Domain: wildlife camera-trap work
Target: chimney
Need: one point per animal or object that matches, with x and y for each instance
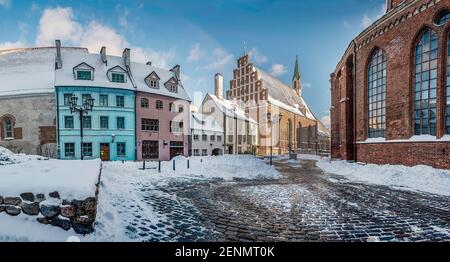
(103, 55)
(149, 63)
(218, 86)
(176, 71)
(58, 59)
(126, 55)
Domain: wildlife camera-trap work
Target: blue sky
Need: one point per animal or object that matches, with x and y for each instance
(204, 37)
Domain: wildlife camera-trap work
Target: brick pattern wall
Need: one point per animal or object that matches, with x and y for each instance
(396, 34)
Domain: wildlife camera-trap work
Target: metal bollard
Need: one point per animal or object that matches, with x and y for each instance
(174, 165)
(143, 165)
(159, 166)
(188, 163)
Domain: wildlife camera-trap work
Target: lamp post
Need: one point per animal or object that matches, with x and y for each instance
(83, 110)
(270, 122)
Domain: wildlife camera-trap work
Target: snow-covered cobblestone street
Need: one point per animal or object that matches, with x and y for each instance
(303, 205)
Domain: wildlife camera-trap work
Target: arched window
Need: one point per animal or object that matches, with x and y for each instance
(299, 135)
(377, 94)
(447, 125)
(425, 84)
(8, 127)
(443, 18)
(289, 134)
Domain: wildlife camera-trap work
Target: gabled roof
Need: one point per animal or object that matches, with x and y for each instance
(284, 96)
(154, 75)
(230, 109)
(117, 67)
(26, 71)
(83, 64)
(205, 122)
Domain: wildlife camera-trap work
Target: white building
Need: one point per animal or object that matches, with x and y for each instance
(207, 138)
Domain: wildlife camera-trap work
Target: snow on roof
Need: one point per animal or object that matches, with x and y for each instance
(29, 70)
(284, 96)
(141, 71)
(230, 109)
(204, 122)
(65, 75)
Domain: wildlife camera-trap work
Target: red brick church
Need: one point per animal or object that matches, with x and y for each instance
(391, 89)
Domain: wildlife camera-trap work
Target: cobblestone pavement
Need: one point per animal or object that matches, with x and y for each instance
(306, 205)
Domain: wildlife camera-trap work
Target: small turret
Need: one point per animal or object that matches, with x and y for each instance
(297, 78)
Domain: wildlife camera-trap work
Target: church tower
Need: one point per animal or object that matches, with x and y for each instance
(297, 79)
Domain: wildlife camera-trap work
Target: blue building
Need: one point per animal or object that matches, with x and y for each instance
(109, 130)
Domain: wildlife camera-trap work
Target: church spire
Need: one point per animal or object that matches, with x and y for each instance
(296, 79)
(296, 70)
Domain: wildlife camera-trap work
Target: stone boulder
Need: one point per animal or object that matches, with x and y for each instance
(13, 201)
(30, 209)
(90, 207)
(43, 220)
(12, 210)
(1, 200)
(54, 195)
(82, 228)
(40, 198)
(27, 196)
(61, 223)
(49, 210)
(2, 208)
(68, 211)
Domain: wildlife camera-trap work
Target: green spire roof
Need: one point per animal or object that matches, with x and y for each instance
(297, 75)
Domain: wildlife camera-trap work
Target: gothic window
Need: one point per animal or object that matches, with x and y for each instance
(443, 18)
(447, 125)
(377, 94)
(425, 84)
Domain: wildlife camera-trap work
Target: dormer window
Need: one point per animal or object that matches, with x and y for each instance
(83, 71)
(117, 75)
(84, 75)
(152, 80)
(172, 85)
(118, 78)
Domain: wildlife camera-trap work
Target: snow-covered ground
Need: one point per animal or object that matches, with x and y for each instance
(23, 173)
(417, 178)
(123, 191)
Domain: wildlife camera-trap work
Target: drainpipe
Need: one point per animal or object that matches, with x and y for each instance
(354, 101)
(58, 148)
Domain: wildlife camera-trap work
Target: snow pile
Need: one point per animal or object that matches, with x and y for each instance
(22, 173)
(7, 157)
(417, 178)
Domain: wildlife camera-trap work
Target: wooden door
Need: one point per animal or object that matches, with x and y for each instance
(105, 152)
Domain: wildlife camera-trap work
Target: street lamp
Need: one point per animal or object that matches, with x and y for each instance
(269, 121)
(83, 110)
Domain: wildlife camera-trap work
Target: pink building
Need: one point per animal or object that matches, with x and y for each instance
(162, 113)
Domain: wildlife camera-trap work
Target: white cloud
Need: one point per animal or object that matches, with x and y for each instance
(59, 23)
(221, 59)
(123, 19)
(306, 85)
(11, 45)
(256, 56)
(5, 3)
(326, 120)
(278, 69)
(367, 20)
(196, 53)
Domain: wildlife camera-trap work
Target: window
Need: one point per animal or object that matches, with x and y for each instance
(447, 125)
(118, 78)
(67, 99)
(150, 125)
(150, 149)
(120, 122)
(204, 138)
(377, 94)
(425, 84)
(69, 149)
(103, 100)
(180, 109)
(196, 152)
(172, 88)
(9, 127)
(176, 127)
(196, 137)
(230, 138)
(171, 107)
(443, 18)
(204, 152)
(87, 149)
(120, 101)
(154, 83)
(84, 98)
(84, 75)
(212, 138)
(104, 122)
(159, 104)
(87, 122)
(144, 102)
(68, 122)
(121, 149)
(219, 138)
